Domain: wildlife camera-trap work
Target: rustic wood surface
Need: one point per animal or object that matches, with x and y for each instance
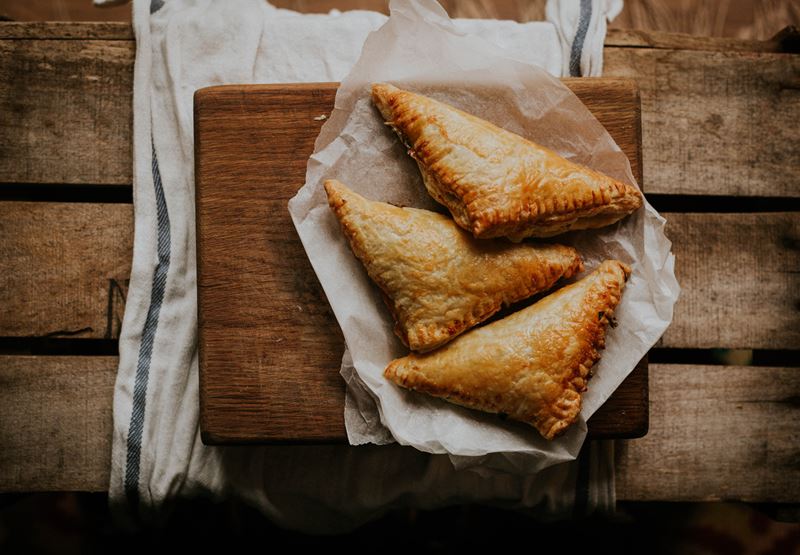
(66, 30)
(268, 353)
(70, 102)
(55, 422)
(636, 38)
(64, 268)
(740, 277)
(69, 123)
(738, 273)
(714, 123)
(716, 432)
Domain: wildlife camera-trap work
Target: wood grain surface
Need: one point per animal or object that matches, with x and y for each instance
(64, 268)
(55, 422)
(270, 348)
(715, 123)
(740, 279)
(69, 103)
(66, 30)
(641, 38)
(717, 433)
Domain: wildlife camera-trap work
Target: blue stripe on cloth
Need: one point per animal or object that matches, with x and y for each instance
(577, 44)
(148, 336)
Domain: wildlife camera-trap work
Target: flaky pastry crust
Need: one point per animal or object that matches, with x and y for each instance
(437, 280)
(494, 182)
(531, 366)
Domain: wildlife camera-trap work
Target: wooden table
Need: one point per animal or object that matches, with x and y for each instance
(721, 161)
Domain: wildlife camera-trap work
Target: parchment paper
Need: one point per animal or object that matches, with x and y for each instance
(419, 49)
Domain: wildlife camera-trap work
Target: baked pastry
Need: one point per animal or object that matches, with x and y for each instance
(494, 182)
(437, 280)
(530, 366)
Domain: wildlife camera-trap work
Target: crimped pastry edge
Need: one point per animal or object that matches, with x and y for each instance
(614, 201)
(551, 424)
(429, 337)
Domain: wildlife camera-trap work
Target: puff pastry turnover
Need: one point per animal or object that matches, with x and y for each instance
(530, 366)
(494, 182)
(437, 280)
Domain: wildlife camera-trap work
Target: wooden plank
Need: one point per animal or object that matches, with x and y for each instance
(716, 123)
(64, 268)
(66, 108)
(716, 433)
(73, 10)
(640, 38)
(740, 278)
(266, 374)
(55, 422)
(66, 30)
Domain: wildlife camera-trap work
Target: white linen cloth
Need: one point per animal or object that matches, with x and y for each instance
(157, 453)
(581, 26)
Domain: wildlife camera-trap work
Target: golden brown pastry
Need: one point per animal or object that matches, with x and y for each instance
(530, 366)
(437, 280)
(496, 183)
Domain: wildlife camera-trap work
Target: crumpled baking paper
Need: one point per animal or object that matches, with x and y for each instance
(419, 49)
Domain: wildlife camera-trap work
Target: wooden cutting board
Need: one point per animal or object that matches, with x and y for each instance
(270, 347)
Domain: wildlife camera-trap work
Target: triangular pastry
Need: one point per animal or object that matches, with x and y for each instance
(530, 366)
(437, 280)
(494, 182)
